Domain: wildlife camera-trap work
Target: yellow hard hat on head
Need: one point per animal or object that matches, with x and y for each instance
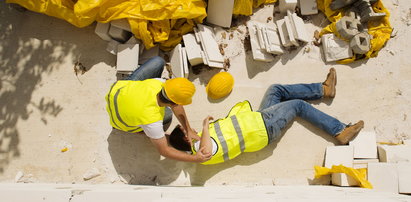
(179, 90)
(220, 85)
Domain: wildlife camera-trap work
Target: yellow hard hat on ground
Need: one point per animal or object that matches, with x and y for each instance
(220, 85)
(179, 90)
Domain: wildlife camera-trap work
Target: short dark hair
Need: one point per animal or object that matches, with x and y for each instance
(163, 97)
(177, 139)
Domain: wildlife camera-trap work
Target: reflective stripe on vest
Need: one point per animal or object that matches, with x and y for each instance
(222, 139)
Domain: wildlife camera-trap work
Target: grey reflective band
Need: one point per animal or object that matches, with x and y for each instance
(222, 141)
(239, 132)
(109, 105)
(118, 114)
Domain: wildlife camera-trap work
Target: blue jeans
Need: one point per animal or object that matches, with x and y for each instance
(152, 68)
(282, 103)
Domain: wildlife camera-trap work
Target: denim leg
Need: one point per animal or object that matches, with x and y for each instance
(277, 93)
(277, 117)
(150, 69)
(168, 117)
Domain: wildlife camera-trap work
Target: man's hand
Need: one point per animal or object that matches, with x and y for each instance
(207, 120)
(190, 135)
(201, 156)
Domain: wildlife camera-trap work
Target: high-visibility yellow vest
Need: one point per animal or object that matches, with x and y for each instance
(241, 131)
(134, 103)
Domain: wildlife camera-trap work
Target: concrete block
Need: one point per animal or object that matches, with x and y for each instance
(209, 44)
(127, 57)
(342, 179)
(366, 11)
(176, 62)
(112, 46)
(365, 145)
(282, 31)
(259, 54)
(193, 49)
(308, 7)
(337, 4)
(363, 163)
(147, 54)
(336, 155)
(360, 43)
(185, 63)
(394, 154)
(298, 27)
(102, 30)
(273, 41)
(292, 32)
(220, 12)
(404, 178)
(285, 5)
(334, 48)
(383, 177)
(122, 24)
(348, 27)
(119, 34)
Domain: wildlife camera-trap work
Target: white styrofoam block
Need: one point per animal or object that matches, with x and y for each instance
(119, 34)
(273, 41)
(365, 145)
(102, 30)
(176, 62)
(127, 57)
(342, 179)
(285, 5)
(308, 7)
(298, 27)
(122, 24)
(394, 153)
(334, 48)
(220, 12)
(209, 44)
(363, 163)
(383, 176)
(404, 178)
(292, 33)
(336, 155)
(185, 64)
(112, 46)
(258, 53)
(282, 31)
(193, 49)
(147, 54)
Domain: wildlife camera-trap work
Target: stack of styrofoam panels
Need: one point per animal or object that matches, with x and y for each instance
(264, 41)
(292, 30)
(365, 149)
(178, 62)
(212, 56)
(340, 155)
(335, 48)
(219, 12)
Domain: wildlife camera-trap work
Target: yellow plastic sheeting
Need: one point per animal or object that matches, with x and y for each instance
(161, 21)
(245, 7)
(358, 174)
(379, 30)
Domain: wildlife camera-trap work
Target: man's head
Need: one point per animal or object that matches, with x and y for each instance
(178, 139)
(178, 91)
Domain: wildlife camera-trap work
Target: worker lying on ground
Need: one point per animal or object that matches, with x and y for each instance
(246, 131)
(142, 102)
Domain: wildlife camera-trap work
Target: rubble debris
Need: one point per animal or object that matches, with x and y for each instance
(79, 68)
(334, 48)
(220, 12)
(126, 178)
(223, 35)
(360, 43)
(118, 34)
(176, 61)
(366, 11)
(102, 31)
(284, 35)
(308, 7)
(193, 49)
(112, 46)
(298, 27)
(269, 19)
(90, 174)
(337, 4)
(127, 57)
(220, 46)
(212, 56)
(348, 27)
(18, 176)
(259, 54)
(285, 5)
(365, 145)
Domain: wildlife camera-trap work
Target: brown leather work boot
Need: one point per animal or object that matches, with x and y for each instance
(350, 132)
(329, 84)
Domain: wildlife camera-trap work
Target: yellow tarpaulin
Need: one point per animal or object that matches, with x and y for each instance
(358, 174)
(379, 30)
(245, 7)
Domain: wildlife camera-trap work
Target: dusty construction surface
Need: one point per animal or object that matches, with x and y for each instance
(44, 106)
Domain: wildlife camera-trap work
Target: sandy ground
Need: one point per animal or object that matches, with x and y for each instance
(45, 107)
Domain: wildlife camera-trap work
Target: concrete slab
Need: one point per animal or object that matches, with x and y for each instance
(394, 153)
(127, 57)
(259, 54)
(404, 178)
(209, 44)
(283, 32)
(299, 28)
(176, 61)
(219, 12)
(339, 155)
(291, 30)
(285, 5)
(334, 48)
(308, 7)
(102, 30)
(383, 177)
(193, 49)
(365, 145)
(274, 44)
(185, 63)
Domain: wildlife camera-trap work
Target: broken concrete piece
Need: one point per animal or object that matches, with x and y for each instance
(337, 4)
(365, 145)
(360, 43)
(185, 64)
(404, 178)
(273, 41)
(394, 153)
(383, 176)
(176, 62)
(18, 176)
(363, 163)
(342, 179)
(334, 48)
(193, 49)
(90, 174)
(102, 30)
(348, 27)
(285, 5)
(284, 35)
(127, 57)
(339, 155)
(292, 32)
(119, 34)
(308, 7)
(298, 27)
(147, 54)
(112, 46)
(209, 44)
(259, 54)
(122, 24)
(220, 12)
(366, 11)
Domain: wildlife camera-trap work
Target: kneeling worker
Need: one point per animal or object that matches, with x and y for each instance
(246, 131)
